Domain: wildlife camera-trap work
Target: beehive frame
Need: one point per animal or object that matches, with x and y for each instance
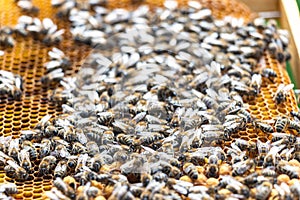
(28, 56)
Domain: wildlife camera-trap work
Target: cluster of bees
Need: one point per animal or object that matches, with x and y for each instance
(11, 84)
(149, 114)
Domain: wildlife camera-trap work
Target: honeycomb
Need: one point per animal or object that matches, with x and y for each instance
(28, 56)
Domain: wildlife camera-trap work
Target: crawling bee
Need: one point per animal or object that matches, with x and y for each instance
(212, 168)
(28, 146)
(287, 169)
(281, 124)
(263, 149)
(64, 188)
(27, 6)
(13, 149)
(242, 167)
(78, 148)
(268, 73)
(60, 169)
(92, 148)
(264, 127)
(263, 191)
(294, 125)
(256, 83)
(45, 148)
(44, 122)
(282, 92)
(15, 171)
(53, 76)
(296, 114)
(69, 180)
(47, 165)
(145, 179)
(190, 170)
(9, 188)
(24, 160)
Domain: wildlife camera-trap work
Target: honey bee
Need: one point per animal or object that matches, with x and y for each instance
(69, 180)
(13, 149)
(105, 118)
(64, 188)
(264, 127)
(149, 137)
(281, 124)
(256, 83)
(61, 169)
(44, 122)
(53, 76)
(268, 73)
(212, 168)
(270, 158)
(295, 114)
(9, 188)
(263, 191)
(145, 179)
(24, 160)
(287, 169)
(72, 162)
(15, 171)
(283, 136)
(78, 148)
(190, 170)
(45, 148)
(92, 148)
(61, 151)
(242, 167)
(294, 125)
(28, 146)
(282, 92)
(47, 165)
(263, 149)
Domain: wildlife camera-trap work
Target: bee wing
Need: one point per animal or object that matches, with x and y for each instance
(23, 155)
(288, 87)
(13, 164)
(45, 119)
(280, 87)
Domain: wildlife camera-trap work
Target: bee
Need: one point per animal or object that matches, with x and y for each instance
(287, 169)
(283, 136)
(263, 191)
(53, 76)
(264, 127)
(4, 142)
(149, 137)
(47, 165)
(281, 124)
(45, 148)
(269, 172)
(9, 188)
(92, 148)
(190, 170)
(69, 180)
(15, 171)
(64, 188)
(96, 162)
(78, 148)
(295, 114)
(212, 168)
(27, 5)
(242, 167)
(270, 158)
(294, 125)
(295, 189)
(28, 146)
(13, 149)
(61, 169)
(256, 83)
(145, 179)
(282, 92)
(72, 162)
(251, 179)
(61, 151)
(263, 149)
(24, 160)
(268, 73)
(44, 122)
(105, 118)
